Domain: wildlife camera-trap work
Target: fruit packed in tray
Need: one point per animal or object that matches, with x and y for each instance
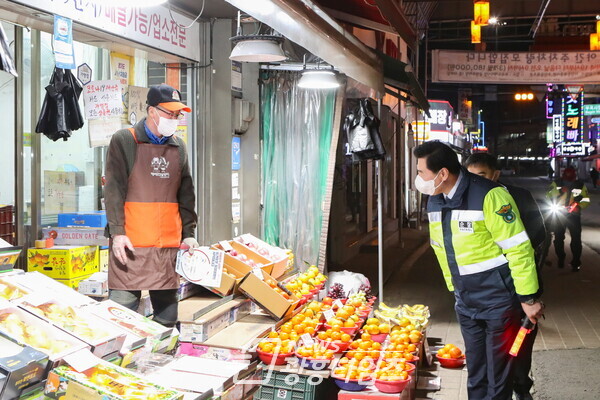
(67, 318)
(108, 380)
(10, 291)
(32, 335)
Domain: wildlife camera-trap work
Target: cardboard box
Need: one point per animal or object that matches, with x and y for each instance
(36, 282)
(76, 236)
(233, 343)
(20, 368)
(278, 256)
(199, 324)
(34, 392)
(73, 283)
(65, 382)
(95, 285)
(128, 320)
(11, 290)
(266, 297)
(40, 334)
(89, 220)
(101, 336)
(240, 265)
(8, 255)
(66, 262)
(103, 259)
(187, 289)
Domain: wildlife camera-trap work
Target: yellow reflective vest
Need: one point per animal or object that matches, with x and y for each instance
(573, 196)
(482, 247)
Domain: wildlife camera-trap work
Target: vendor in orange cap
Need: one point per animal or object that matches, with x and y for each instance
(150, 206)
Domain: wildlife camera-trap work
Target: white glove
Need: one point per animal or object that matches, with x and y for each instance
(120, 244)
(191, 244)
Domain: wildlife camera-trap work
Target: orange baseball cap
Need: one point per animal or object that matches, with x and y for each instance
(167, 97)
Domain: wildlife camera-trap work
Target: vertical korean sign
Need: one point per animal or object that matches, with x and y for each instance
(573, 118)
(63, 43)
(103, 109)
(557, 128)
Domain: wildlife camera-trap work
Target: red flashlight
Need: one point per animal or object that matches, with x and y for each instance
(526, 327)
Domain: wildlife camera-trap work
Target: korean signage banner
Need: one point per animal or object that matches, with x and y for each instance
(573, 118)
(441, 116)
(572, 149)
(150, 26)
(516, 67)
(557, 128)
(464, 106)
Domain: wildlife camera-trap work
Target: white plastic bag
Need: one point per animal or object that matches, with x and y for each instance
(351, 281)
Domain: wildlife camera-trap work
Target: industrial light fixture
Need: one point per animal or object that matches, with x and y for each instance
(256, 48)
(319, 78)
(481, 11)
(475, 33)
(493, 20)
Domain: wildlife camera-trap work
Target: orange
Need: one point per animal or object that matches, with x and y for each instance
(286, 328)
(384, 328)
(322, 335)
(336, 335)
(273, 334)
(345, 338)
(354, 344)
(364, 345)
(373, 329)
(267, 347)
(376, 346)
(455, 352)
(411, 347)
(310, 330)
(336, 328)
(284, 335)
(349, 323)
(365, 336)
(351, 354)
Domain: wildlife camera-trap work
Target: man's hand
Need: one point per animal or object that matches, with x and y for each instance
(534, 311)
(190, 244)
(120, 245)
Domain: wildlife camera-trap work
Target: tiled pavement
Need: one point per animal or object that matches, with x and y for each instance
(572, 314)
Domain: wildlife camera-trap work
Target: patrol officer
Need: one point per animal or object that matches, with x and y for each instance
(569, 196)
(485, 165)
(487, 261)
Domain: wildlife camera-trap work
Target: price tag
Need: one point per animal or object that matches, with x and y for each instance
(258, 272)
(225, 245)
(307, 339)
(328, 314)
(82, 360)
(338, 304)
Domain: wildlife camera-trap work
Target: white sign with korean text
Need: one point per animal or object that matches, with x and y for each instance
(151, 26)
(102, 99)
(100, 131)
(516, 67)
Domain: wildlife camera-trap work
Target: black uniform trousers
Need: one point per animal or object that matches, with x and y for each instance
(571, 221)
(487, 343)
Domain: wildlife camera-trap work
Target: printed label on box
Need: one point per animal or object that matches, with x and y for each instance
(202, 266)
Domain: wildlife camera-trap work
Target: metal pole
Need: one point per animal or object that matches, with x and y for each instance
(379, 218)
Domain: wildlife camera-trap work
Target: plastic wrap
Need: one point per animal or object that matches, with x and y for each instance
(297, 128)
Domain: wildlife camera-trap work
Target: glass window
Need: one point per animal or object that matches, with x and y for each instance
(7, 150)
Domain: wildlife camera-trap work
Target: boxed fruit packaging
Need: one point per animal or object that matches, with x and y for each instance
(101, 336)
(21, 367)
(25, 328)
(104, 382)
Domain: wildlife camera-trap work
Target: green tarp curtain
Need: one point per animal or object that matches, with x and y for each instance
(296, 130)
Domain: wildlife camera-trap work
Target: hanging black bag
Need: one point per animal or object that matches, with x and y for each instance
(362, 131)
(60, 111)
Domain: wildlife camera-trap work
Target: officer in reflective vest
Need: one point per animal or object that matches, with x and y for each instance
(568, 196)
(487, 261)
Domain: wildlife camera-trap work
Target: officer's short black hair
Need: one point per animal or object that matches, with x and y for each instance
(487, 159)
(438, 155)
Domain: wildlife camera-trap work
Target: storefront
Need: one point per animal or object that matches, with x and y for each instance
(136, 47)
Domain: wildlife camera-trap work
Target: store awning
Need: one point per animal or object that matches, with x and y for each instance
(304, 23)
(395, 74)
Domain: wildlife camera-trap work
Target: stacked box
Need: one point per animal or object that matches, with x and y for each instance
(67, 264)
(21, 367)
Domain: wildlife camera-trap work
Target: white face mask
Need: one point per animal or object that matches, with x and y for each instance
(427, 187)
(166, 127)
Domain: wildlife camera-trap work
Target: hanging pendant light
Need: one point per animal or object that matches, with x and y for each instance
(594, 45)
(475, 33)
(481, 11)
(319, 78)
(256, 48)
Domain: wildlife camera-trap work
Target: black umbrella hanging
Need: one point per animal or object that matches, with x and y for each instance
(60, 111)
(6, 61)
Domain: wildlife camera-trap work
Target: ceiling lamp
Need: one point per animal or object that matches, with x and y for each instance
(475, 33)
(256, 48)
(594, 45)
(318, 79)
(481, 11)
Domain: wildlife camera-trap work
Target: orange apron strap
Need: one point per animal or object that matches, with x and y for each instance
(133, 134)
